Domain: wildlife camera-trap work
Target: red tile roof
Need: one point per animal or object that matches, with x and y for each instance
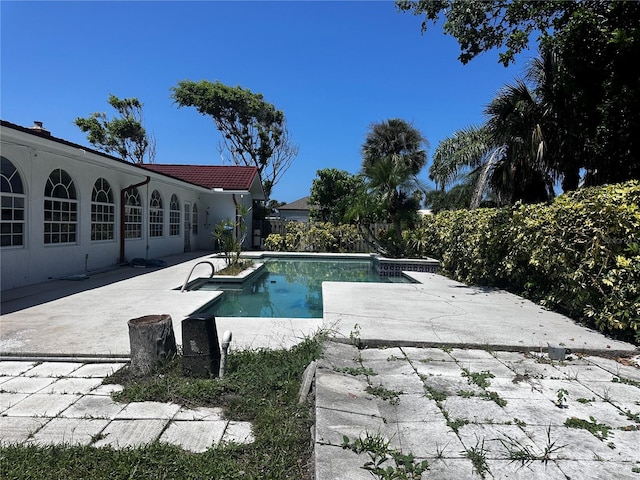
(226, 177)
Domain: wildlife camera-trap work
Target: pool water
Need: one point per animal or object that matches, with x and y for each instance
(288, 288)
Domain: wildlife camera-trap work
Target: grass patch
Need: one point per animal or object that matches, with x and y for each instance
(260, 386)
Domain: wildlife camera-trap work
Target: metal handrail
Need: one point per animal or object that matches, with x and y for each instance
(186, 281)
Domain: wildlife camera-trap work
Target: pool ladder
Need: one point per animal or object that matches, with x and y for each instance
(186, 280)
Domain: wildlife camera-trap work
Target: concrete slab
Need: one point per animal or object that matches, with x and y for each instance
(93, 406)
(429, 439)
(332, 425)
(535, 412)
(42, 405)
(440, 311)
(148, 410)
(13, 369)
(425, 355)
(506, 469)
(69, 431)
(131, 433)
(343, 392)
(53, 369)
(8, 400)
(72, 385)
(26, 384)
(336, 463)
(448, 468)
(96, 370)
(200, 413)
(476, 410)
(597, 470)
(51, 318)
(194, 436)
(17, 430)
(107, 389)
(238, 432)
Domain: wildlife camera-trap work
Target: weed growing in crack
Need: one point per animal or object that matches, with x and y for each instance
(392, 396)
(598, 430)
(466, 393)
(626, 381)
(435, 394)
(478, 456)
(404, 467)
(479, 378)
(526, 454)
(355, 371)
(495, 397)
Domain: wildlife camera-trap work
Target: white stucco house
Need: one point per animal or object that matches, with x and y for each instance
(68, 209)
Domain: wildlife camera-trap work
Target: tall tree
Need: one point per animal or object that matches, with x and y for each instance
(253, 131)
(393, 154)
(124, 135)
(332, 192)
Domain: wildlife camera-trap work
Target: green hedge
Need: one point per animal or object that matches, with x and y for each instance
(580, 255)
(314, 237)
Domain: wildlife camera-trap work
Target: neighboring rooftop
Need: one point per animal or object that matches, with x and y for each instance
(301, 204)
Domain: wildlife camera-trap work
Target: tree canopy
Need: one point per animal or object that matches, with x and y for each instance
(574, 118)
(332, 192)
(254, 131)
(124, 136)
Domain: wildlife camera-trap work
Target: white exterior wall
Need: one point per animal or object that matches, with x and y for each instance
(36, 157)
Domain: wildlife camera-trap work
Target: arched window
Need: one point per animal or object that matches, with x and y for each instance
(132, 214)
(13, 200)
(194, 221)
(102, 211)
(156, 215)
(174, 216)
(60, 209)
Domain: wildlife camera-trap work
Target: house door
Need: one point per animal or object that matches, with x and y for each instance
(187, 227)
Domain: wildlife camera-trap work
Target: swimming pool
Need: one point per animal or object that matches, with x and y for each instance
(288, 288)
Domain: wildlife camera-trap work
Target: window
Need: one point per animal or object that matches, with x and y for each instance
(12, 199)
(132, 214)
(194, 221)
(156, 215)
(60, 209)
(102, 211)
(174, 216)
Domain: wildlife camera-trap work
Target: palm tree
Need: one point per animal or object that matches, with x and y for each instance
(508, 152)
(515, 121)
(393, 154)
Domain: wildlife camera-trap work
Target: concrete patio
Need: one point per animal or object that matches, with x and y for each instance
(414, 380)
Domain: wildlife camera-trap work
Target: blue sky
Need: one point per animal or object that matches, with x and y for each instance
(333, 68)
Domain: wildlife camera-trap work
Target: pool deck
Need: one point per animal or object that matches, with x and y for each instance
(415, 337)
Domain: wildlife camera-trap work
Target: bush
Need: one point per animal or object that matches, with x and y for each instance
(579, 255)
(314, 237)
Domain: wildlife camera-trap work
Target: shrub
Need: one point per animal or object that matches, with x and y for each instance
(314, 237)
(579, 255)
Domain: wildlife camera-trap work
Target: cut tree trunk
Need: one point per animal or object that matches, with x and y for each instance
(152, 342)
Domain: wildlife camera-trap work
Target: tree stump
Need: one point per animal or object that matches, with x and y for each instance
(152, 341)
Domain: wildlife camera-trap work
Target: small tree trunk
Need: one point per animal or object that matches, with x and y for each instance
(152, 341)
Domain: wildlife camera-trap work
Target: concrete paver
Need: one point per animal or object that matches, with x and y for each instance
(78, 410)
(462, 421)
